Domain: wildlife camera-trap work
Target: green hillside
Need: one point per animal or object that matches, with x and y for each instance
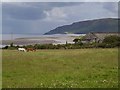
(98, 25)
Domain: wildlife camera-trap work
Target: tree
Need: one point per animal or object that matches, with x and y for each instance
(11, 45)
(76, 40)
(111, 39)
(66, 43)
(6, 47)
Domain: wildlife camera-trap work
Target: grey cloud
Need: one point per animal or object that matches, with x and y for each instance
(119, 9)
(16, 26)
(25, 13)
(111, 6)
(30, 10)
(28, 17)
(50, 5)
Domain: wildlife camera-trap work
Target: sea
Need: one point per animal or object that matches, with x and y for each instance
(16, 36)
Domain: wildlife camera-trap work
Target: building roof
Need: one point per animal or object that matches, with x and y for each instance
(99, 35)
(89, 36)
(102, 35)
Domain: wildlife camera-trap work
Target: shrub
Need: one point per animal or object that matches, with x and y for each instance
(11, 45)
(101, 45)
(111, 39)
(6, 47)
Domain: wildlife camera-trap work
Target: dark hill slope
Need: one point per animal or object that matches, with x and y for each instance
(98, 25)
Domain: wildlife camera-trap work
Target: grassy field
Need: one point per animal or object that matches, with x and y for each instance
(80, 68)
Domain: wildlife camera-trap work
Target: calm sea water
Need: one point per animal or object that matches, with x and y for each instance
(14, 36)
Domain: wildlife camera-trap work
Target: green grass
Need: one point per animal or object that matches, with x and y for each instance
(77, 68)
(0, 69)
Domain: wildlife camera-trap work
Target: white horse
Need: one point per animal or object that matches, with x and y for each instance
(22, 49)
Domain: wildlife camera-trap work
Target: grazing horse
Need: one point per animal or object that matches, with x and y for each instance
(22, 49)
(30, 49)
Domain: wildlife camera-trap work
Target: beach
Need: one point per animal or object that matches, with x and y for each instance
(40, 39)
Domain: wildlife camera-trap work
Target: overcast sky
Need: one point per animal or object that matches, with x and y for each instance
(41, 17)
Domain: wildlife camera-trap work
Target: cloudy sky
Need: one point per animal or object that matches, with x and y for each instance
(41, 17)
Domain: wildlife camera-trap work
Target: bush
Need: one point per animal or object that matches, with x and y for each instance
(101, 45)
(76, 40)
(6, 47)
(111, 39)
(11, 45)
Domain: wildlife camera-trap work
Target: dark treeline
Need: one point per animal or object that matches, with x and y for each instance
(108, 42)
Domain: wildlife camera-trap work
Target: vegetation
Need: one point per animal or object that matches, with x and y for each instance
(112, 41)
(72, 68)
(108, 42)
(11, 45)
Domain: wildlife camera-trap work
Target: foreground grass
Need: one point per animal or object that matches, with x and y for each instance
(83, 68)
(0, 69)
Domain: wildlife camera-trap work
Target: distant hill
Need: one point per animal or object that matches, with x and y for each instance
(98, 25)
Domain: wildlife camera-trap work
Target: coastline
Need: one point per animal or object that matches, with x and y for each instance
(43, 39)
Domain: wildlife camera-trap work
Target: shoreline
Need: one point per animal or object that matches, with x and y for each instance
(51, 39)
